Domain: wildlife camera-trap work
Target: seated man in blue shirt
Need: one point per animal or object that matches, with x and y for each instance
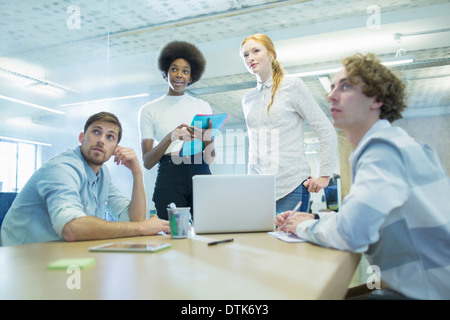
(397, 209)
(67, 198)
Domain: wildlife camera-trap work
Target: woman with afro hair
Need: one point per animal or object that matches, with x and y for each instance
(164, 126)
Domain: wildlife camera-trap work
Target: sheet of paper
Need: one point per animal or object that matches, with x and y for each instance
(287, 237)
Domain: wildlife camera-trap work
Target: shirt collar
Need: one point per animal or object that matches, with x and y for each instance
(377, 126)
(262, 85)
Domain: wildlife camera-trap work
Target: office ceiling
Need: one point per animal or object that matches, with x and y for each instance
(107, 48)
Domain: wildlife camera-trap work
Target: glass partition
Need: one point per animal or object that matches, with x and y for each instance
(61, 61)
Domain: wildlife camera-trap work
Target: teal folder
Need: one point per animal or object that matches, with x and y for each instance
(201, 121)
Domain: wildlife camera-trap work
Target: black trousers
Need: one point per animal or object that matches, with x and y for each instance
(174, 181)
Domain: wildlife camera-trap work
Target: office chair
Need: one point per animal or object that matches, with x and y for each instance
(6, 200)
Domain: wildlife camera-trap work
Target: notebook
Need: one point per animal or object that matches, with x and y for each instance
(233, 203)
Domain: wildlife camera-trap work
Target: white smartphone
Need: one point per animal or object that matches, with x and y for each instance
(130, 247)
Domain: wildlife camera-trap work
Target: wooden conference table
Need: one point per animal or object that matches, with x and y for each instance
(253, 266)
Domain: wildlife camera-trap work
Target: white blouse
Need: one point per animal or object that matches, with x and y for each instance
(276, 139)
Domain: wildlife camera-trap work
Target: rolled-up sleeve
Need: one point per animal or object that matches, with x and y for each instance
(118, 204)
(60, 190)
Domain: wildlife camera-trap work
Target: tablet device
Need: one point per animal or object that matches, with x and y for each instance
(130, 247)
(201, 121)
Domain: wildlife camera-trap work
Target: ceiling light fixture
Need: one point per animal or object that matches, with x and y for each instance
(105, 100)
(398, 40)
(31, 104)
(35, 82)
(331, 70)
(25, 141)
(325, 82)
(398, 62)
(315, 72)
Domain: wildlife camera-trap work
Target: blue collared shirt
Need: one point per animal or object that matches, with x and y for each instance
(63, 189)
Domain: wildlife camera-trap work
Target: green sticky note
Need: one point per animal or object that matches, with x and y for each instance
(66, 263)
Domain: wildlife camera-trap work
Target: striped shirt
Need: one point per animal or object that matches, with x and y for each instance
(397, 212)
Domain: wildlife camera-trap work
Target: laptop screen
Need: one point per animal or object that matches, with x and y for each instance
(233, 203)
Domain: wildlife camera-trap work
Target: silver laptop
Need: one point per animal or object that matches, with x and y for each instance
(233, 203)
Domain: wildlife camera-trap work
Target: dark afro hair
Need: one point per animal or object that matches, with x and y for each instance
(181, 49)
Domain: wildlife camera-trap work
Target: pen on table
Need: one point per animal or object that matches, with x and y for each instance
(213, 243)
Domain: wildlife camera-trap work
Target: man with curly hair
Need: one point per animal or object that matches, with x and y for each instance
(397, 209)
(164, 126)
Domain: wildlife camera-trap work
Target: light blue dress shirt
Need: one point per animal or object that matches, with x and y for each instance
(63, 189)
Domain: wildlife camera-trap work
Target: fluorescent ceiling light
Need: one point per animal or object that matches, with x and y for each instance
(31, 104)
(34, 82)
(315, 72)
(398, 61)
(25, 141)
(105, 100)
(47, 88)
(331, 70)
(325, 82)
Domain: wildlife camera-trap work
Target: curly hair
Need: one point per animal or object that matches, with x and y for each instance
(185, 50)
(377, 81)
